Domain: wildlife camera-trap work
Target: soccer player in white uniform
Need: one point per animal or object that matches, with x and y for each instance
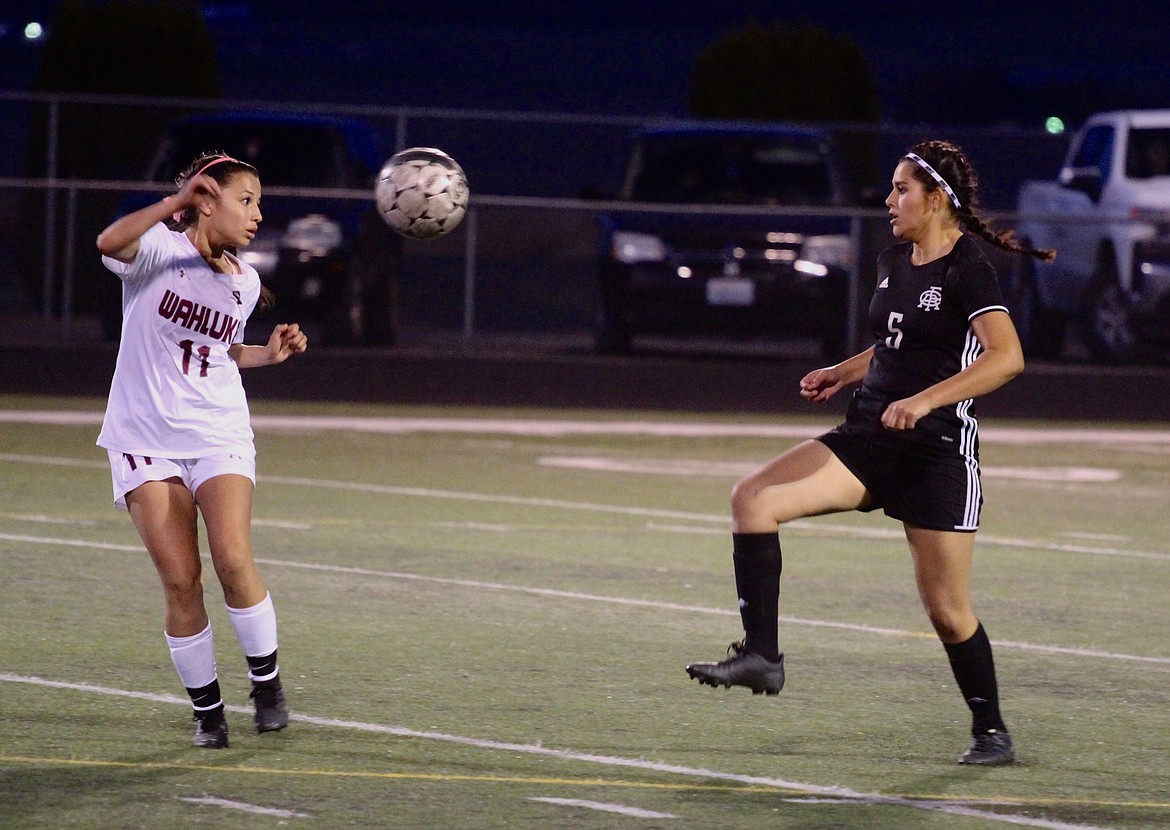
(177, 424)
(942, 337)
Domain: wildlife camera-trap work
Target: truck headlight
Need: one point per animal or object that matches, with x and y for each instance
(630, 247)
(262, 254)
(829, 250)
(314, 234)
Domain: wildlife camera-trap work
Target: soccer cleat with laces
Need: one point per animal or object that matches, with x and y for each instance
(211, 730)
(992, 748)
(271, 707)
(743, 668)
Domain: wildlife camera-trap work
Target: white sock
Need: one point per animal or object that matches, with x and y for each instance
(194, 658)
(255, 628)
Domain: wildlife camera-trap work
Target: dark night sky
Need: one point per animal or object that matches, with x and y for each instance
(632, 58)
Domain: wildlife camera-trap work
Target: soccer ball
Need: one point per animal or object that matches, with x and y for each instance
(422, 193)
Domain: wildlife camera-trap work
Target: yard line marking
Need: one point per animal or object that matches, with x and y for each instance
(49, 520)
(281, 525)
(615, 783)
(739, 469)
(70, 543)
(656, 513)
(590, 758)
(818, 526)
(611, 600)
(559, 428)
(490, 498)
(637, 812)
(247, 808)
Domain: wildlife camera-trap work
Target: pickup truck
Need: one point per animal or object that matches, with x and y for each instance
(1111, 196)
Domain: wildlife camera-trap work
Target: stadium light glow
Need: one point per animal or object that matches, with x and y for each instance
(1054, 125)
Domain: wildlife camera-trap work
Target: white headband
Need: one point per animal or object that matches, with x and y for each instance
(917, 159)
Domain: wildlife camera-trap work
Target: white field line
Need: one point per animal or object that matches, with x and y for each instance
(560, 428)
(818, 527)
(247, 808)
(585, 757)
(738, 469)
(636, 812)
(681, 515)
(599, 598)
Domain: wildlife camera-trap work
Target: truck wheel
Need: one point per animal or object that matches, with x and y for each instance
(1041, 329)
(343, 323)
(1107, 322)
(611, 336)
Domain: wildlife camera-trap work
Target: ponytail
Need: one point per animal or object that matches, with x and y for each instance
(941, 163)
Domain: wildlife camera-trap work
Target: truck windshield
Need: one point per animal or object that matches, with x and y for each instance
(1148, 154)
(722, 169)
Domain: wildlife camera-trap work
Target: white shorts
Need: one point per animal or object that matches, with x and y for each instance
(131, 471)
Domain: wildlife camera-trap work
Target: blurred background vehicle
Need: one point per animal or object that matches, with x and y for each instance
(332, 262)
(752, 275)
(1109, 197)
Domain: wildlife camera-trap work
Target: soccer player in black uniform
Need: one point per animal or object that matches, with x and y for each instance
(909, 444)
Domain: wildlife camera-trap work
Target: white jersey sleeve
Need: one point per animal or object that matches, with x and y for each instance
(176, 393)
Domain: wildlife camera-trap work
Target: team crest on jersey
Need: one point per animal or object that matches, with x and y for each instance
(931, 298)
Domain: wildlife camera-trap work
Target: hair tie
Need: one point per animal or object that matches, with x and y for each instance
(921, 162)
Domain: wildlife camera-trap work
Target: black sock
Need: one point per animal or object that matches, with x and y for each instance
(974, 669)
(263, 670)
(757, 582)
(206, 699)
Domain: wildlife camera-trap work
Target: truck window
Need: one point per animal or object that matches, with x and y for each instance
(736, 169)
(1096, 150)
(1148, 153)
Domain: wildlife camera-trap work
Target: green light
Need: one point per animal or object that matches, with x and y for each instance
(1054, 125)
(33, 31)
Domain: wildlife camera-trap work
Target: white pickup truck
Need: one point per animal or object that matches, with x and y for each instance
(1112, 194)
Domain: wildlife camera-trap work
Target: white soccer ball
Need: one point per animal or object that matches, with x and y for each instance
(422, 193)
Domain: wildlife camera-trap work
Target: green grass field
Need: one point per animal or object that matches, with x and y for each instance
(484, 620)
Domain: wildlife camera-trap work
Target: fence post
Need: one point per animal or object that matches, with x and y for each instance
(67, 274)
(469, 279)
(400, 133)
(50, 210)
(852, 334)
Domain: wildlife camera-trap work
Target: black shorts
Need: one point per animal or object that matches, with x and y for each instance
(921, 476)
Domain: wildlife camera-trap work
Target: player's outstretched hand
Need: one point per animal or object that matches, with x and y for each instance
(286, 340)
(821, 384)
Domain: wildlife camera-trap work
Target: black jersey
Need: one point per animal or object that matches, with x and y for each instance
(921, 317)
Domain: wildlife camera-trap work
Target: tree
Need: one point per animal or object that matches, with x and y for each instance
(130, 47)
(783, 73)
(789, 73)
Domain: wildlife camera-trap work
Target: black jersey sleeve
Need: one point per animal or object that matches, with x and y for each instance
(975, 283)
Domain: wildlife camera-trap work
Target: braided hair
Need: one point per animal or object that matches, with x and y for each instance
(223, 168)
(953, 167)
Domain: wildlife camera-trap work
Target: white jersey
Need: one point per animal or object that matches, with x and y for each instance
(176, 393)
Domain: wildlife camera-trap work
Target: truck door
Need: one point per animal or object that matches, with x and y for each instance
(1084, 179)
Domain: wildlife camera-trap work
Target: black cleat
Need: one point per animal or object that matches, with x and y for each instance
(211, 730)
(743, 668)
(992, 748)
(271, 708)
